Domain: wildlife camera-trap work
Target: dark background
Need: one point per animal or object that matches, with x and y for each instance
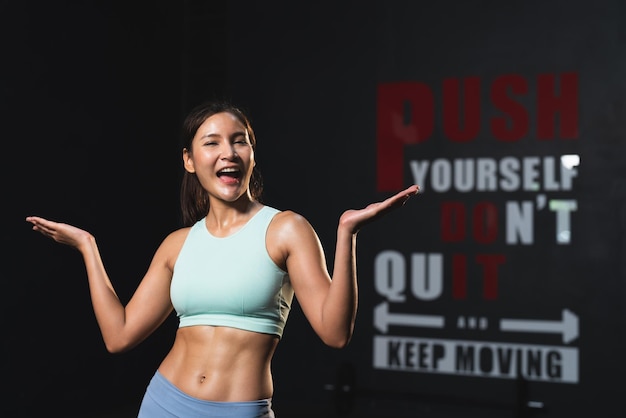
(92, 97)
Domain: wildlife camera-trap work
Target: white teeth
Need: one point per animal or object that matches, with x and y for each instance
(228, 170)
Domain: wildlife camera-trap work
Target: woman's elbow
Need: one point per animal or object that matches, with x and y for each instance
(337, 341)
(117, 346)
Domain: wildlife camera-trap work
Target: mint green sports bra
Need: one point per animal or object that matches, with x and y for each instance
(231, 281)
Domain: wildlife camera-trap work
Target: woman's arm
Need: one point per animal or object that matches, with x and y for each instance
(330, 304)
(122, 327)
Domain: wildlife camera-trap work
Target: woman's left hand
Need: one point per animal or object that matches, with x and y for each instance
(355, 219)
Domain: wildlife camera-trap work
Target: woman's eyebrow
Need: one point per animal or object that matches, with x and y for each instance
(209, 135)
(213, 135)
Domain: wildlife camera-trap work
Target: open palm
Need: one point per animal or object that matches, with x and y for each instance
(355, 219)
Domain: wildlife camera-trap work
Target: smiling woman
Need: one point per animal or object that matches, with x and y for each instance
(230, 274)
(194, 199)
(219, 158)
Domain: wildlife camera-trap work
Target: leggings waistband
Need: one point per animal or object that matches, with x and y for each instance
(164, 400)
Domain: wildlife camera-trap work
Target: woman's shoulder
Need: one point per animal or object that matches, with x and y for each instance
(178, 233)
(176, 238)
(171, 245)
(289, 220)
(285, 214)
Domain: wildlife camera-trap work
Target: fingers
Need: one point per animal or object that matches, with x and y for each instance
(401, 197)
(410, 191)
(36, 221)
(381, 208)
(41, 225)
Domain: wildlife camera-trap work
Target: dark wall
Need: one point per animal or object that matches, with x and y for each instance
(91, 104)
(345, 93)
(93, 94)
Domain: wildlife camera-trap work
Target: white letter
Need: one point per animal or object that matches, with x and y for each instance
(519, 223)
(389, 271)
(440, 175)
(427, 288)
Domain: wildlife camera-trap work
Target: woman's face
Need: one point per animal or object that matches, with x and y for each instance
(221, 155)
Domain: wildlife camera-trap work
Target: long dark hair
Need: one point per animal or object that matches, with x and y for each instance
(194, 200)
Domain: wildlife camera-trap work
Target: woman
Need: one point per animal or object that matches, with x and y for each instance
(230, 274)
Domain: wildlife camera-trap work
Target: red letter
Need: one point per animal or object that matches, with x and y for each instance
(459, 276)
(405, 115)
(490, 273)
(452, 120)
(452, 221)
(485, 219)
(566, 104)
(518, 117)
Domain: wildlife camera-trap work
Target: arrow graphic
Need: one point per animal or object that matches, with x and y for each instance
(568, 326)
(383, 318)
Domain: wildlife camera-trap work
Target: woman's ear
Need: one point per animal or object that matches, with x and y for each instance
(188, 162)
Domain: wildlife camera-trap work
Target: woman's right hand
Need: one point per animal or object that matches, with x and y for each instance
(61, 232)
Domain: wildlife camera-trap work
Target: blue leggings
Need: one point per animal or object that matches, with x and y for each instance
(164, 400)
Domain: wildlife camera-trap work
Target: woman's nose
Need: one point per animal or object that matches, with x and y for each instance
(228, 151)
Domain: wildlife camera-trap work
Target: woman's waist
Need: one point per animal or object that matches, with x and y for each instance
(221, 364)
